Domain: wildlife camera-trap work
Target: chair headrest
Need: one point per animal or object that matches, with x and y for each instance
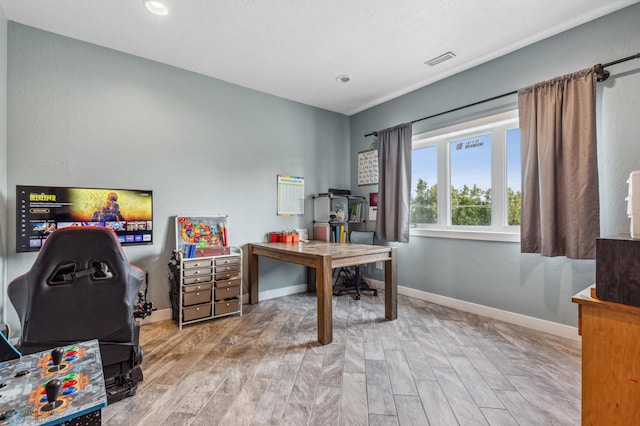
(361, 237)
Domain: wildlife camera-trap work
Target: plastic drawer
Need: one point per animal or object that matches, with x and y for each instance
(197, 287)
(227, 283)
(197, 264)
(196, 297)
(227, 275)
(198, 279)
(197, 271)
(196, 312)
(226, 307)
(227, 268)
(231, 260)
(226, 292)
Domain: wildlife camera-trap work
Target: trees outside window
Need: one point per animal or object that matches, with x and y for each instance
(479, 163)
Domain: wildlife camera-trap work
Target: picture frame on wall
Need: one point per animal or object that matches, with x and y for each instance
(368, 167)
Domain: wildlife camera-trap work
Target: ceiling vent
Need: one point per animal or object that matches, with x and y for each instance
(445, 57)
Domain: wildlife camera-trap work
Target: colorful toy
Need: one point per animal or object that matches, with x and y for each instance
(200, 234)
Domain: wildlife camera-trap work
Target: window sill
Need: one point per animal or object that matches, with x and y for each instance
(511, 237)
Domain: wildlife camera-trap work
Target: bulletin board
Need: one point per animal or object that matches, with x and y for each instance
(368, 167)
(290, 195)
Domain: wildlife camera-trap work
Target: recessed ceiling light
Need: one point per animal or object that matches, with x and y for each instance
(343, 78)
(440, 59)
(156, 7)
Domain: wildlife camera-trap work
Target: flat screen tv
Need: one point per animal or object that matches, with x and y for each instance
(42, 209)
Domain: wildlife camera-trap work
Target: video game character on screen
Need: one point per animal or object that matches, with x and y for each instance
(110, 211)
(44, 228)
(41, 209)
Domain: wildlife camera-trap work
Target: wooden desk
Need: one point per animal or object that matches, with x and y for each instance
(323, 257)
(610, 366)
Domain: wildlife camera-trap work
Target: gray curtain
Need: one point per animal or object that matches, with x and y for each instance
(394, 183)
(560, 199)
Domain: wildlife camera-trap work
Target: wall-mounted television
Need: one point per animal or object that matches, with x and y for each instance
(42, 209)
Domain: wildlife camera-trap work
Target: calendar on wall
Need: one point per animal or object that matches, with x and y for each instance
(290, 195)
(368, 167)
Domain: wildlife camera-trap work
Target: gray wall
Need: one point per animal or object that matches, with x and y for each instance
(496, 274)
(82, 115)
(3, 158)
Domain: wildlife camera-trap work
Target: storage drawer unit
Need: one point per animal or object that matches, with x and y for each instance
(208, 287)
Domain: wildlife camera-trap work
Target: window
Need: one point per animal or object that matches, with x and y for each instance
(513, 177)
(424, 166)
(470, 183)
(478, 163)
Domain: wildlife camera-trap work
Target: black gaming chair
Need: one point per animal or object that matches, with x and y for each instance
(81, 287)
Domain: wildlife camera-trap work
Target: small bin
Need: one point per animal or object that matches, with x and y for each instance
(231, 260)
(199, 271)
(196, 312)
(197, 264)
(223, 276)
(226, 292)
(226, 307)
(196, 297)
(197, 287)
(197, 279)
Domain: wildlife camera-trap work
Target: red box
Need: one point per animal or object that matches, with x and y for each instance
(212, 251)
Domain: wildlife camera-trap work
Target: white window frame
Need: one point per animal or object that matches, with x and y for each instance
(499, 230)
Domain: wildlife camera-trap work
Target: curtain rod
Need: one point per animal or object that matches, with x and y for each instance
(599, 69)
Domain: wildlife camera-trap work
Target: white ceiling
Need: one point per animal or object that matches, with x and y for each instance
(295, 48)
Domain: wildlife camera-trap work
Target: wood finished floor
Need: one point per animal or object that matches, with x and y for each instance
(432, 366)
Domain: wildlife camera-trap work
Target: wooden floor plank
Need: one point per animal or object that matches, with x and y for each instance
(433, 365)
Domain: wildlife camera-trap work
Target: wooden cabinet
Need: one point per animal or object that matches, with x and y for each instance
(208, 287)
(610, 360)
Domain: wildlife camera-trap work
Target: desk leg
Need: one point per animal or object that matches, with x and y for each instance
(324, 293)
(311, 280)
(254, 272)
(391, 286)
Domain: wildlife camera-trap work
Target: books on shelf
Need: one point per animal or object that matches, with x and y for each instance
(340, 211)
(333, 233)
(321, 232)
(189, 250)
(355, 212)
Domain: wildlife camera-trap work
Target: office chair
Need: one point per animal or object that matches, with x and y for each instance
(81, 287)
(350, 279)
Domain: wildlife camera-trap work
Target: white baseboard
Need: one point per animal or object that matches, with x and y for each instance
(156, 316)
(165, 314)
(545, 326)
(281, 292)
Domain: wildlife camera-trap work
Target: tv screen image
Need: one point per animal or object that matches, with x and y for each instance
(42, 209)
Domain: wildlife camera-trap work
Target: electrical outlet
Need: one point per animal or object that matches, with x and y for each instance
(379, 266)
